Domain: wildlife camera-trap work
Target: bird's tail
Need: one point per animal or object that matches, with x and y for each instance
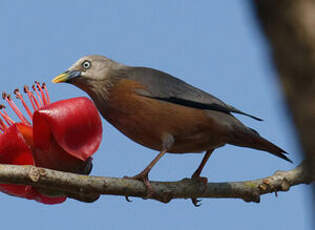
(251, 138)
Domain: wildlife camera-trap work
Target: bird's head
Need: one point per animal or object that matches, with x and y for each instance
(88, 72)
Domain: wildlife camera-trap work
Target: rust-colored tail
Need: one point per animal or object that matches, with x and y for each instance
(250, 138)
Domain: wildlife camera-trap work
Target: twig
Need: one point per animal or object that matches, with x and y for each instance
(89, 188)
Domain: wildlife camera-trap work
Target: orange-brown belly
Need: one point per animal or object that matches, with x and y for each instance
(147, 120)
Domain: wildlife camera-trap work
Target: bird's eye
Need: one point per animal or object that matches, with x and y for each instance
(86, 64)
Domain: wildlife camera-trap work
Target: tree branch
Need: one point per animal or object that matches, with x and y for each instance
(89, 188)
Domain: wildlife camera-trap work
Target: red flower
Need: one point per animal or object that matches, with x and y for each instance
(63, 137)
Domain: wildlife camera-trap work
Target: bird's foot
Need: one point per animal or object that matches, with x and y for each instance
(203, 181)
(196, 177)
(143, 176)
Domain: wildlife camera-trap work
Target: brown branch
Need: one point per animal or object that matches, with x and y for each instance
(89, 188)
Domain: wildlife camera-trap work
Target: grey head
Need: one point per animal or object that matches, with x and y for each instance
(90, 73)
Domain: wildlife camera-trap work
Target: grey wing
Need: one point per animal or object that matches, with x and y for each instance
(162, 86)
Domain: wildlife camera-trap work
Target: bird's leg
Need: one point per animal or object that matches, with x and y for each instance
(196, 175)
(167, 142)
(143, 176)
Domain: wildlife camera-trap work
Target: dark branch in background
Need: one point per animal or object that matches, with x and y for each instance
(289, 26)
(89, 188)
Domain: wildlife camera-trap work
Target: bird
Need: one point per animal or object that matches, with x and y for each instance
(162, 112)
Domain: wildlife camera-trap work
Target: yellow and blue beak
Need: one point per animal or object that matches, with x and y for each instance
(67, 76)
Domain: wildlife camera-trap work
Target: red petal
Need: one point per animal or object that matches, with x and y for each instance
(73, 126)
(46, 199)
(15, 150)
(28, 192)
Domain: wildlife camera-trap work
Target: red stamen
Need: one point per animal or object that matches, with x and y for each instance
(3, 126)
(37, 99)
(41, 92)
(19, 96)
(32, 98)
(40, 102)
(46, 92)
(5, 116)
(15, 108)
(10, 121)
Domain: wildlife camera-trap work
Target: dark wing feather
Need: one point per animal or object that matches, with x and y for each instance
(162, 86)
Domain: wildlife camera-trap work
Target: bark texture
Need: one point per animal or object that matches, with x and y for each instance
(89, 188)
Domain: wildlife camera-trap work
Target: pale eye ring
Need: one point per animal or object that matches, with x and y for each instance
(86, 64)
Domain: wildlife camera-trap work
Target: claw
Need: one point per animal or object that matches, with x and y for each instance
(203, 181)
(143, 177)
(127, 198)
(196, 202)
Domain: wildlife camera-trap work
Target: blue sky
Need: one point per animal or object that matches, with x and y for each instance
(214, 45)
